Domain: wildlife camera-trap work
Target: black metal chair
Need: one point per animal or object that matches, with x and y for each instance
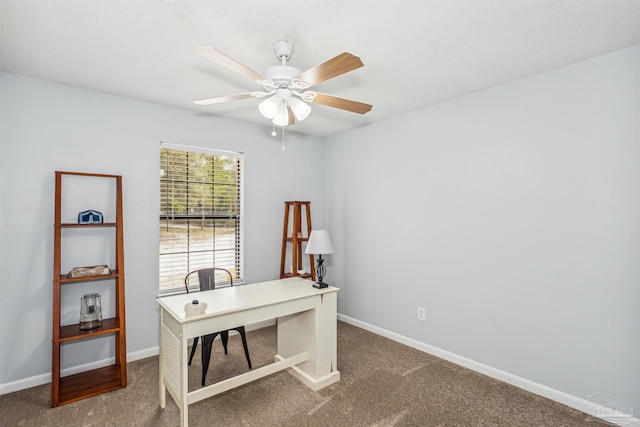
(207, 281)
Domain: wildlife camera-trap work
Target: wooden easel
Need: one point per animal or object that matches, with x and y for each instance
(296, 239)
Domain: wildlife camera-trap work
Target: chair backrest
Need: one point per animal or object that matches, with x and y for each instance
(207, 278)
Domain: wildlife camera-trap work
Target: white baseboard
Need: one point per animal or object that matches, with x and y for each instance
(571, 401)
(37, 380)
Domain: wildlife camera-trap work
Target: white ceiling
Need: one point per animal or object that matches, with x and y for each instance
(416, 53)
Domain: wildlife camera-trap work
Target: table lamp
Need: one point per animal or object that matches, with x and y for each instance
(319, 244)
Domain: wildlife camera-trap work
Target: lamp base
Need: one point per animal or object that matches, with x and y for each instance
(320, 285)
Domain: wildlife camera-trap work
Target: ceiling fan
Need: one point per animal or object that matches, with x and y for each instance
(286, 87)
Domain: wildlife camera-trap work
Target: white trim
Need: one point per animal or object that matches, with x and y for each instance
(203, 150)
(569, 400)
(25, 383)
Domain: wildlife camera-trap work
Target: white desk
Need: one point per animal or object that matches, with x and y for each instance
(306, 334)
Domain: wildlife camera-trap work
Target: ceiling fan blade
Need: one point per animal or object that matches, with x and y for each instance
(222, 59)
(334, 67)
(219, 99)
(343, 104)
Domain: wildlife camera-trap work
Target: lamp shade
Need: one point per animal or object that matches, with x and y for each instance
(319, 243)
(300, 109)
(282, 116)
(269, 107)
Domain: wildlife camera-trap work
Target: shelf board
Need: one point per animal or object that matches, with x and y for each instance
(96, 175)
(89, 383)
(300, 239)
(113, 275)
(100, 224)
(304, 276)
(73, 332)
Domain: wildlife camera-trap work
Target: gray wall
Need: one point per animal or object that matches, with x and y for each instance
(47, 127)
(513, 216)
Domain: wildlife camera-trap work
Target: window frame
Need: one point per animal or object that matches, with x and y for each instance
(163, 216)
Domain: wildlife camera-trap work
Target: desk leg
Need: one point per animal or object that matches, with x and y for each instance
(184, 401)
(163, 391)
(173, 365)
(313, 331)
(163, 388)
(184, 415)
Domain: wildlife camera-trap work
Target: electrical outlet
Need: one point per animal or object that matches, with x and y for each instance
(422, 315)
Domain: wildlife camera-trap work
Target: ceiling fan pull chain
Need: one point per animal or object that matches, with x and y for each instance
(282, 138)
(273, 129)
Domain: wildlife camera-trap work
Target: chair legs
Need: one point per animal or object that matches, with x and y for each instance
(193, 349)
(224, 337)
(207, 346)
(243, 335)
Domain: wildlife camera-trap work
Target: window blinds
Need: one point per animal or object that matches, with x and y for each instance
(200, 213)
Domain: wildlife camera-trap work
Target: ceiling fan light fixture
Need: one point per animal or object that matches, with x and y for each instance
(282, 116)
(284, 93)
(301, 109)
(269, 107)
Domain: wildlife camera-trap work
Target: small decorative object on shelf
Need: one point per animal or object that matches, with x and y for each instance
(90, 217)
(90, 312)
(94, 270)
(195, 307)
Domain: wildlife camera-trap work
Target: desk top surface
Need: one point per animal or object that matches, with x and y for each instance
(241, 297)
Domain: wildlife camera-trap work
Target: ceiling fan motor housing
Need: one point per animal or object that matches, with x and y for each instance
(283, 50)
(281, 75)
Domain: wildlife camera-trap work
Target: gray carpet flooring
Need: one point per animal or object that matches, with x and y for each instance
(383, 383)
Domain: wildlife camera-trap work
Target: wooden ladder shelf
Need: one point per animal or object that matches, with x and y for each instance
(93, 382)
(296, 239)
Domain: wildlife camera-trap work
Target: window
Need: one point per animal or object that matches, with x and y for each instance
(200, 213)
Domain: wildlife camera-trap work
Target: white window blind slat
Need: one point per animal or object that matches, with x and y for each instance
(200, 213)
